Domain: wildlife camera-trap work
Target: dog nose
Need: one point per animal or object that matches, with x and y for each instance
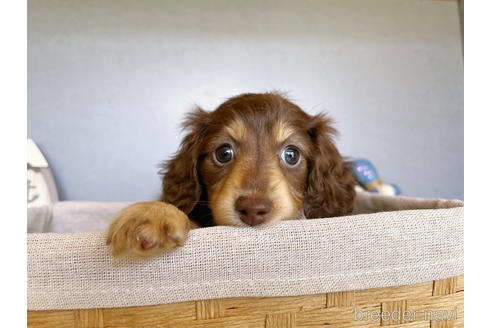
(253, 210)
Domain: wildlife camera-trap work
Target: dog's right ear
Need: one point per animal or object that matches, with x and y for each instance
(181, 182)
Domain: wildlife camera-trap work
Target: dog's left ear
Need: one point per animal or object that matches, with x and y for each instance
(330, 183)
(181, 185)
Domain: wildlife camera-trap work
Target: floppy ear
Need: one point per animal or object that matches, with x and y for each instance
(330, 185)
(181, 185)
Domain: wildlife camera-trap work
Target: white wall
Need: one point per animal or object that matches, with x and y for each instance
(109, 81)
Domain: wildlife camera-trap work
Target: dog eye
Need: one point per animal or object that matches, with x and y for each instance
(224, 154)
(290, 155)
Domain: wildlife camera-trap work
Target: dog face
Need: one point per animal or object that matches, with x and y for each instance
(254, 163)
(257, 159)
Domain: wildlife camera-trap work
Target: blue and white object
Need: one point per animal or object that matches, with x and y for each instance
(367, 176)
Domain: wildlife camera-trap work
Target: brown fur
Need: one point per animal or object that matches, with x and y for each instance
(198, 187)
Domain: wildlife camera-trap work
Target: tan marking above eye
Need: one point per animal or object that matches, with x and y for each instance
(282, 131)
(236, 130)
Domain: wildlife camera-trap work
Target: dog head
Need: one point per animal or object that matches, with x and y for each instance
(257, 159)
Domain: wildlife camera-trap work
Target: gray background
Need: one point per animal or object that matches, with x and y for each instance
(109, 82)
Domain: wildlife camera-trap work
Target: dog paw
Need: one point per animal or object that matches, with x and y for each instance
(147, 228)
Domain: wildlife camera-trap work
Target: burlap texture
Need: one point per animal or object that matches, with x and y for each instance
(75, 270)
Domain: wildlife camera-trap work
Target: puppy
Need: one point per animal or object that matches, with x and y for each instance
(257, 159)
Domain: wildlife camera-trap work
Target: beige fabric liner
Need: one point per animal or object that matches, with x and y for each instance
(75, 270)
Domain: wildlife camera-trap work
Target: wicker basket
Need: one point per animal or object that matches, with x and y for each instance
(367, 270)
(361, 308)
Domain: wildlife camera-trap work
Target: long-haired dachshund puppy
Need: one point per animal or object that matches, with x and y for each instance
(257, 159)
